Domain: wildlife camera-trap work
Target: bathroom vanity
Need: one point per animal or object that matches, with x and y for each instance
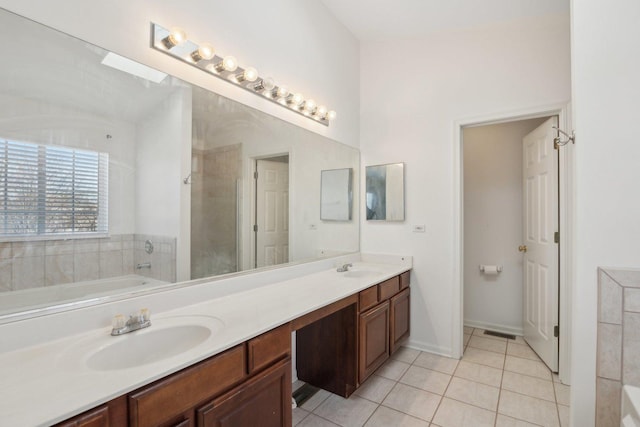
(338, 347)
(239, 371)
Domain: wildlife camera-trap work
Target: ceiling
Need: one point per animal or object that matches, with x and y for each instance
(382, 20)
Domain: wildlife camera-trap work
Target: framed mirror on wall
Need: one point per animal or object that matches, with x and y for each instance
(156, 159)
(336, 194)
(384, 195)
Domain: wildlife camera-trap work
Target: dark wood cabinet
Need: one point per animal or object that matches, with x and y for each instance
(399, 319)
(373, 342)
(113, 413)
(98, 417)
(171, 401)
(264, 400)
(241, 375)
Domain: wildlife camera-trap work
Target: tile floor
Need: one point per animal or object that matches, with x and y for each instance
(498, 383)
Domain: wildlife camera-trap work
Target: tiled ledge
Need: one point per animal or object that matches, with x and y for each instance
(618, 359)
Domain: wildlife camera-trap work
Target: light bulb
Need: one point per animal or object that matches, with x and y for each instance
(175, 37)
(229, 63)
(249, 74)
(205, 51)
(321, 111)
(282, 92)
(331, 115)
(296, 99)
(310, 105)
(266, 84)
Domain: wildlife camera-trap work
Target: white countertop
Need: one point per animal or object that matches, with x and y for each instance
(46, 383)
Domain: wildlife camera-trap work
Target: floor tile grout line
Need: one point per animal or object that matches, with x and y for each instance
(555, 395)
(495, 421)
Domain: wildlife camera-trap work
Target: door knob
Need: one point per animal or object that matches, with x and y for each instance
(522, 248)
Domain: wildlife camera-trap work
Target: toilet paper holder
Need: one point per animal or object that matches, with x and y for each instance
(497, 267)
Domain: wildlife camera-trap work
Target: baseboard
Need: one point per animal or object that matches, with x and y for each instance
(429, 348)
(493, 327)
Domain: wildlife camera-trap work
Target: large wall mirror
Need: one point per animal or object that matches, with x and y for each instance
(117, 178)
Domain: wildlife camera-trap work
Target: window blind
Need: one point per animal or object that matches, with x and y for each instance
(52, 190)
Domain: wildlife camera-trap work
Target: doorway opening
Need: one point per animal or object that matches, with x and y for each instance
(271, 211)
(510, 203)
(491, 219)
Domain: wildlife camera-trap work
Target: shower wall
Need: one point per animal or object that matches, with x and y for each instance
(214, 198)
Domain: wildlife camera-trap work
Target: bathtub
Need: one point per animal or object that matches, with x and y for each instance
(630, 406)
(68, 293)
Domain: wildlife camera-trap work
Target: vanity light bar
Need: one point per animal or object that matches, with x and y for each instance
(175, 43)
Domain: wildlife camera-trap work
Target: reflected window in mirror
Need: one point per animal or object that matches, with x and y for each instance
(384, 197)
(50, 191)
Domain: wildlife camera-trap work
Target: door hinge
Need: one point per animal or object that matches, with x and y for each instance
(556, 331)
(556, 237)
(255, 175)
(255, 228)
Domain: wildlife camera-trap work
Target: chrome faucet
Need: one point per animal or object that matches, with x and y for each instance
(344, 267)
(143, 265)
(135, 322)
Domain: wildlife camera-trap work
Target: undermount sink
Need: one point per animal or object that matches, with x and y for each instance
(165, 338)
(358, 272)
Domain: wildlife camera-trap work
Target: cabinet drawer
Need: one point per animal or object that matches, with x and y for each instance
(368, 298)
(264, 400)
(404, 280)
(168, 398)
(268, 348)
(388, 288)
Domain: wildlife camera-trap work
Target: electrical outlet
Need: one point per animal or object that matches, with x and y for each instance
(419, 228)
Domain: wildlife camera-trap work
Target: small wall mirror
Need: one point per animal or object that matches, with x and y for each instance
(385, 192)
(336, 194)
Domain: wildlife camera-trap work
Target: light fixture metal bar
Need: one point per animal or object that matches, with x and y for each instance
(183, 51)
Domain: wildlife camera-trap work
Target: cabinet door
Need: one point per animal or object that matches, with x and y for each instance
(399, 315)
(373, 339)
(98, 417)
(264, 400)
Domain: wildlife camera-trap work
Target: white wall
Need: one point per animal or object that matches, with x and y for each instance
(493, 224)
(163, 202)
(605, 70)
(409, 105)
(300, 44)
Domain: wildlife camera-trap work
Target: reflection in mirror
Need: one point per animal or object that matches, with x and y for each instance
(336, 196)
(103, 159)
(385, 192)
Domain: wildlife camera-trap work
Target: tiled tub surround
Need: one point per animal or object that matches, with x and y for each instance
(29, 265)
(618, 360)
(36, 373)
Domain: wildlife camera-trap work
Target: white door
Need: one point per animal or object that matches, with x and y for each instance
(272, 213)
(540, 194)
